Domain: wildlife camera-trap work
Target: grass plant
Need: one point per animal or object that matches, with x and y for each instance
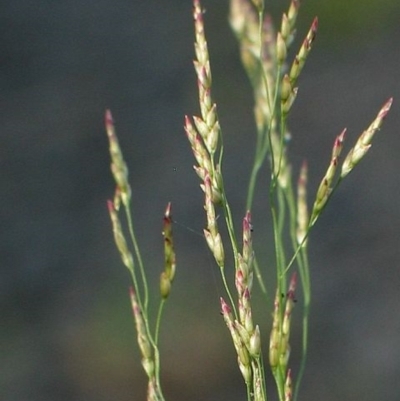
(265, 50)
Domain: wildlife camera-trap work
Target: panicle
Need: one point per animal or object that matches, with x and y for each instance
(325, 187)
(118, 165)
(303, 53)
(288, 86)
(204, 134)
(207, 125)
(364, 141)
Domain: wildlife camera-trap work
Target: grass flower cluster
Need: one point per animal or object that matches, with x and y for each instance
(265, 50)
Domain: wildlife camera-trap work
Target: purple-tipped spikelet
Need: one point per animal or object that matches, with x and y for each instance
(207, 125)
(247, 239)
(244, 271)
(167, 276)
(364, 141)
(216, 247)
(211, 234)
(118, 165)
(203, 158)
(209, 207)
(243, 276)
(169, 252)
(325, 187)
(246, 315)
(226, 311)
(198, 148)
(240, 279)
(288, 88)
(303, 53)
(204, 134)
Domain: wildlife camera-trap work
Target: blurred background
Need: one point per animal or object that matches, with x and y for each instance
(66, 331)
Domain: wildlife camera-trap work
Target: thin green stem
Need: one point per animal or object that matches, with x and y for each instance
(303, 264)
(140, 262)
(158, 321)
(280, 383)
(306, 285)
(260, 367)
(222, 270)
(258, 275)
(252, 182)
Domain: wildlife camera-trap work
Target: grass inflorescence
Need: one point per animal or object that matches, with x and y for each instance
(265, 50)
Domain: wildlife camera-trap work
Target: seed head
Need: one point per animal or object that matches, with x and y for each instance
(363, 143)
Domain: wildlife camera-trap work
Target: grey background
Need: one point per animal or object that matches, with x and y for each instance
(66, 329)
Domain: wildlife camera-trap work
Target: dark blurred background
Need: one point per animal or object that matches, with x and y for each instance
(66, 329)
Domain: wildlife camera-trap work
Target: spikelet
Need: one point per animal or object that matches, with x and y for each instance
(288, 86)
(325, 187)
(167, 276)
(303, 53)
(142, 336)
(118, 165)
(364, 141)
(212, 235)
(119, 238)
(238, 341)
